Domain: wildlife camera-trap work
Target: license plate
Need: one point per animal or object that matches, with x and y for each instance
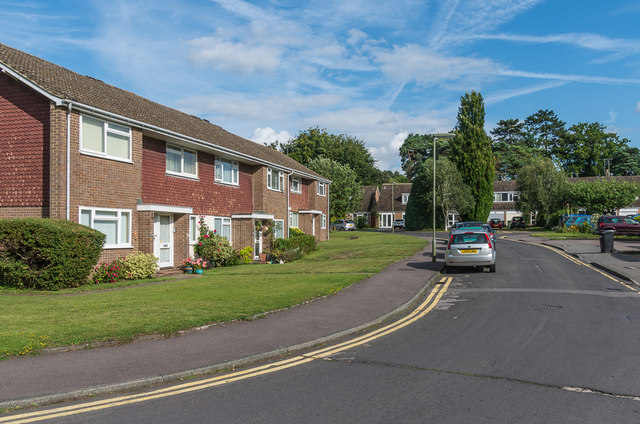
(469, 251)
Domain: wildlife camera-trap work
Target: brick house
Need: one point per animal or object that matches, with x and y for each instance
(369, 205)
(75, 148)
(392, 203)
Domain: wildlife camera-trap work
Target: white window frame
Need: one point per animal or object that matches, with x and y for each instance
(193, 229)
(224, 222)
(271, 180)
(322, 191)
(323, 222)
(405, 198)
(295, 181)
(219, 171)
(278, 228)
(106, 130)
(118, 219)
(499, 195)
(293, 221)
(182, 172)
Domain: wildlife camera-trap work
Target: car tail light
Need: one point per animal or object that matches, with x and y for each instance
(488, 239)
(601, 224)
(450, 241)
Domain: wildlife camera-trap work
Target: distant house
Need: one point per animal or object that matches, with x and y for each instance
(369, 205)
(392, 204)
(504, 202)
(75, 148)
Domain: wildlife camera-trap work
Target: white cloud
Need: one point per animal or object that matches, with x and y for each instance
(234, 57)
(414, 62)
(268, 135)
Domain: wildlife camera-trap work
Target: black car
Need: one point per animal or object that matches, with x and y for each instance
(517, 222)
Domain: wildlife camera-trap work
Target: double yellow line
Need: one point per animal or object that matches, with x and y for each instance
(577, 262)
(424, 308)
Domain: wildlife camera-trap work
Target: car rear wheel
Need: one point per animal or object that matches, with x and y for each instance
(492, 268)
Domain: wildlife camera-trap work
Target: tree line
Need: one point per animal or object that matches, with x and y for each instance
(469, 161)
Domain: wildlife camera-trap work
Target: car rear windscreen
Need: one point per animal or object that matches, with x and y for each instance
(469, 239)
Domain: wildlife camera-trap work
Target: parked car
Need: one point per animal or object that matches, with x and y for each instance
(496, 223)
(517, 222)
(459, 225)
(620, 224)
(470, 249)
(576, 220)
(398, 223)
(344, 225)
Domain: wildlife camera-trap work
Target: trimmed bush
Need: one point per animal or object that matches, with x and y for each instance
(295, 247)
(137, 266)
(47, 254)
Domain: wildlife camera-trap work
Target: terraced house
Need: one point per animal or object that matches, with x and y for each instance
(75, 148)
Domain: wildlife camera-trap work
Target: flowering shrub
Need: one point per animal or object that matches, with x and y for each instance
(214, 248)
(106, 272)
(137, 266)
(195, 263)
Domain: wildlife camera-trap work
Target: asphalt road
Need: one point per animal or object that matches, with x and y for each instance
(543, 340)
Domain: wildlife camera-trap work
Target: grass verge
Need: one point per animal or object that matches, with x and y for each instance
(33, 321)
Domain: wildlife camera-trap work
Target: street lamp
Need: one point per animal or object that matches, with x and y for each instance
(433, 236)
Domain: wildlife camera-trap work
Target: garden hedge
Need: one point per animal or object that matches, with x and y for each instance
(47, 254)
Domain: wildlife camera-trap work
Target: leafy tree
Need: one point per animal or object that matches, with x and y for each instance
(590, 145)
(510, 132)
(471, 153)
(394, 177)
(418, 148)
(545, 130)
(345, 192)
(626, 161)
(344, 149)
(451, 194)
(542, 188)
(604, 195)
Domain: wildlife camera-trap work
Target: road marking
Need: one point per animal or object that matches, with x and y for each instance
(423, 309)
(577, 262)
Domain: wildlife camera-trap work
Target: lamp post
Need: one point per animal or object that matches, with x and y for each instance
(433, 236)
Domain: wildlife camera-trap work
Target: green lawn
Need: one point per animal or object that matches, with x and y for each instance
(32, 321)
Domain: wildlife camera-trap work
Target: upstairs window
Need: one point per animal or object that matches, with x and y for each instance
(405, 198)
(296, 185)
(322, 189)
(106, 139)
(275, 179)
(182, 162)
(226, 172)
(504, 197)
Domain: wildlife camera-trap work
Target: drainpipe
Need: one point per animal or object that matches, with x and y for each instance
(328, 214)
(68, 205)
(288, 204)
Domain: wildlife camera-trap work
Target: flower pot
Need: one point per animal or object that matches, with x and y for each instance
(199, 271)
(188, 269)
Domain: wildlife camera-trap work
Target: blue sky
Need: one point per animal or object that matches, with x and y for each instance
(375, 70)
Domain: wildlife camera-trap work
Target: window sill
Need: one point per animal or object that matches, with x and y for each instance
(101, 156)
(273, 189)
(124, 246)
(227, 184)
(185, 176)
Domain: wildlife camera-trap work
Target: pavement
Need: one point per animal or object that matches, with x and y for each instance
(73, 374)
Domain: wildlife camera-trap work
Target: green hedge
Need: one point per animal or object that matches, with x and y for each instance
(294, 247)
(47, 254)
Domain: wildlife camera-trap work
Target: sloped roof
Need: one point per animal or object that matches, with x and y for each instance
(384, 203)
(369, 199)
(67, 85)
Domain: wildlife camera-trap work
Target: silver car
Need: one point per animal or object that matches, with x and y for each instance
(344, 225)
(470, 248)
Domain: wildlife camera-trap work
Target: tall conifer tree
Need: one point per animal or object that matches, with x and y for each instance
(471, 152)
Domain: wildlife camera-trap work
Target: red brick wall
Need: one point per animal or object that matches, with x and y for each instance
(300, 201)
(270, 201)
(203, 195)
(24, 148)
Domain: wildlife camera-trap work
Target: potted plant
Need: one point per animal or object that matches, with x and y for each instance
(194, 265)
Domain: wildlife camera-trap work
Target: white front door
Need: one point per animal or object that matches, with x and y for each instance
(386, 220)
(163, 232)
